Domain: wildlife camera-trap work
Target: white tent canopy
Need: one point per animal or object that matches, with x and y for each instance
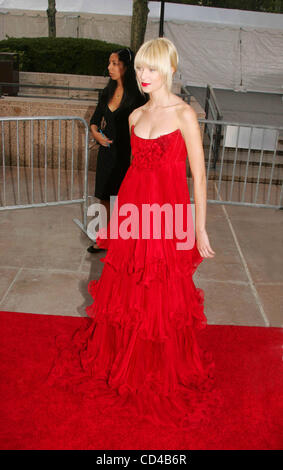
(226, 48)
(172, 11)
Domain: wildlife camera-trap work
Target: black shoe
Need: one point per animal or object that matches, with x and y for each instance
(92, 249)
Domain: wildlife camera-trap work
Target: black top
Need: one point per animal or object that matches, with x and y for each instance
(112, 162)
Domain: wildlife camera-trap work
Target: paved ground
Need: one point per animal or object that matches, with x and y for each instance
(45, 268)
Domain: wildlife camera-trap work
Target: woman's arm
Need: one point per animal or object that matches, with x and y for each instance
(95, 123)
(130, 131)
(192, 136)
(133, 118)
(102, 140)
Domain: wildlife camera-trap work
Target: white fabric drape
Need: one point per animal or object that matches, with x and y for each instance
(226, 57)
(226, 48)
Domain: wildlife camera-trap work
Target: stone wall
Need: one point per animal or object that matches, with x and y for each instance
(49, 142)
(61, 80)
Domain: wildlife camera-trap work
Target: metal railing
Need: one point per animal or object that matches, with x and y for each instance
(212, 111)
(250, 167)
(44, 162)
(211, 105)
(185, 95)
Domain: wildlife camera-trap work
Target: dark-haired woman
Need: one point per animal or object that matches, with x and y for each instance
(110, 128)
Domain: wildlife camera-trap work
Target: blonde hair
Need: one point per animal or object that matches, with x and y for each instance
(160, 54)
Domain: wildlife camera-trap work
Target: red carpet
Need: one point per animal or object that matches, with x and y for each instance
(248, 367)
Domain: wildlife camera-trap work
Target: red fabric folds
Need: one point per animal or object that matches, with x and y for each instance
(139, 352)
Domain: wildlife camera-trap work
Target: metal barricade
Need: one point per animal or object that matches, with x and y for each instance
(249, 170)
(44, 162)
(185, 95)
(212, 111)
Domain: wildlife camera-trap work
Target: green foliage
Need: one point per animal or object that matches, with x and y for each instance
(61, 55)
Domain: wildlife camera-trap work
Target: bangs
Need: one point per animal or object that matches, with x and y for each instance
(153, 57)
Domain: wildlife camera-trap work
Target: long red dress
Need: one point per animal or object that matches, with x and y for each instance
(139, 354)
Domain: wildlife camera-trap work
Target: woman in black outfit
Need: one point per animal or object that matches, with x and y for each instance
(110, 128)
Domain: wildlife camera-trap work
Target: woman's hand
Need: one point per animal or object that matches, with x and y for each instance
(100, 138)
(103, 140)
(203, 245)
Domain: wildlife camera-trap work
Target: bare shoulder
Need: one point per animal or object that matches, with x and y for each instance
(187, 113)
(188, 119)
(135, 115)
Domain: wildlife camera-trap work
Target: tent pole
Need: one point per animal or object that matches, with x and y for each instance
(161, 21)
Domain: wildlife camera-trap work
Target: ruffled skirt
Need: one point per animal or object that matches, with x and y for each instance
(138, 353)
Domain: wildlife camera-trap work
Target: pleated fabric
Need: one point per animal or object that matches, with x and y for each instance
(138, 352)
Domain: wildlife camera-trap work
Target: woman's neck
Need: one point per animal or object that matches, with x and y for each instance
(120, 85)
(160, 98)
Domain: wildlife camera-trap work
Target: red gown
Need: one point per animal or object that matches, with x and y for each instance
(138, 353)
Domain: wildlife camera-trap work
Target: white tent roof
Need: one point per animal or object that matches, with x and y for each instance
(172, 11)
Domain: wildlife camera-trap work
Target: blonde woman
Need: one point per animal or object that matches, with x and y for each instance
(139, 353)
(165, 113)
